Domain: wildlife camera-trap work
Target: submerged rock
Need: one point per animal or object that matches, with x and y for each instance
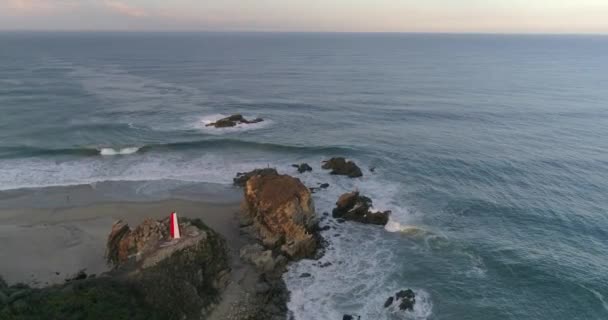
(242, 177)
(355, 207)
(340, 166)
(303, 167)
(232, 121)
(283, 214)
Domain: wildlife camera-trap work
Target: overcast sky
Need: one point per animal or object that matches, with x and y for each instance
(503, 16)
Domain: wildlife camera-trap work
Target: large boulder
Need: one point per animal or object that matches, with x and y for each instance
(232, 121)
(283, 214)
(355, 207)
(242, 177)
(340, 166)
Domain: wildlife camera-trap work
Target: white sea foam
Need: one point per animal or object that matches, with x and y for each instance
(114, 152)
(205, 120)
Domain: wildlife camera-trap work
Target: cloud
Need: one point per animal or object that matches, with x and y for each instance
(125, 9)
(29, 5)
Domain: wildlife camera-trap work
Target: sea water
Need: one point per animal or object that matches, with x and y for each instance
(491, 151)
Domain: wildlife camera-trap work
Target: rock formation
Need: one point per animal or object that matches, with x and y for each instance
(153, 278)
(404, 298)
(340, 166)
(232, 121)
(302, 167)
(283, 214)
(355, 207)
(242, 177)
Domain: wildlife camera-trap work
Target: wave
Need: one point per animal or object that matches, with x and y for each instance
(28, 152)
(113, 152)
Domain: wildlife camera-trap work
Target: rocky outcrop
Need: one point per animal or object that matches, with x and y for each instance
(242, 177)
(355, 207)
(153, 278)
(302, 167)
(340, 166)
(232, 121)
(404, 299)
(283, 214)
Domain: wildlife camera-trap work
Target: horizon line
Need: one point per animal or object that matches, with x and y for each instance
(305, 32)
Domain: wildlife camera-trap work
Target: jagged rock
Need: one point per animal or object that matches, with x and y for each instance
(303, 167)
(232, 121)
(406, 299)
(283, 213)
(355, 207)
(388, 302)
(124, 243)
(242, 177)
(340, 166)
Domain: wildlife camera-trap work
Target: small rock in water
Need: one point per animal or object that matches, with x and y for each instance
(232, 121)
(349, 317)
(405, 298)
(339, 166)
(303, 167)
(324, 185)
(356, 207)
(305, 275)
(388, 302)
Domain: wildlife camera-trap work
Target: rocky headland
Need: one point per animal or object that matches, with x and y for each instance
(203, 275)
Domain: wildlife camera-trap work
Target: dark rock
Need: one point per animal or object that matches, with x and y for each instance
(325, 228)
(350, 317)
(325, 265)
(324, 185)
(303, 167)
(405, 298)
(242, 177)
(232, 121)
(340, 220)
(283, 213)
(305, 275)
(340, 166)
(355, 207)
(80, 275)
(372, 169)
(326, 214)
(388, 302)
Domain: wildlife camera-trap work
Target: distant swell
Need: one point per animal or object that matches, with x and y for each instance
(219, 144)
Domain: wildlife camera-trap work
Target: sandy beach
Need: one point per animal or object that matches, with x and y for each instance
(45, 244)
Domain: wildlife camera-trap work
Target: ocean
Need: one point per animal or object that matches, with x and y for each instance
(491, 151)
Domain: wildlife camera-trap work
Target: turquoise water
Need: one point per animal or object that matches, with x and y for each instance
(491, 151)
